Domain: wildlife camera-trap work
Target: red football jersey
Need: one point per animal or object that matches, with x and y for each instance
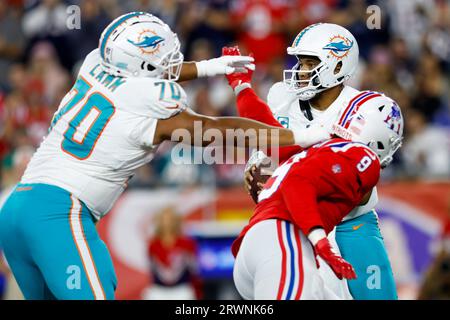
(317, 187)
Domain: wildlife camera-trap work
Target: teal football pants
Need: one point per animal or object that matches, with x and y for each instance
(361, 243)
(51, 244)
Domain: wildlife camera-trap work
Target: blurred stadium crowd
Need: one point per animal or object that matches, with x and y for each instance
(408, 58)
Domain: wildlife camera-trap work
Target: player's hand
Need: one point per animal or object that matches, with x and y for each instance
(253, 187)
(248, 178)
(224, 65)
(254, 177)
(341, 268)
(240, 77)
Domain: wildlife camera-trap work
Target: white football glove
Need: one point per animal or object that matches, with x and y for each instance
(224, 65)
(261, 160)
(257, 158)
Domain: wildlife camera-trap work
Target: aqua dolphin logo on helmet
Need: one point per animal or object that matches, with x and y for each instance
(148, 42)
(339, 46)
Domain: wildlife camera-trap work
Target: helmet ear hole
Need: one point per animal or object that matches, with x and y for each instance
(338, 67)
(316, 81)
(149, 67)
(380, 145)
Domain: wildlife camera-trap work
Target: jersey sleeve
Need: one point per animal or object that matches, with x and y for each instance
(344, 173)
(249, 105)
(368, 168)
(153, 100)
(342, 178)
(277, 94)
(165, 99)
(301, 198)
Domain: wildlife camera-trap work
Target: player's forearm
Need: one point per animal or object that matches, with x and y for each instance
(188, 71)
(249, 105)
(250, 133)
(201, 130)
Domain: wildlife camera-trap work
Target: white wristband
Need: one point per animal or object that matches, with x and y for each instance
(202, 68)
(316, 235)
(238, 89)
(310, 136)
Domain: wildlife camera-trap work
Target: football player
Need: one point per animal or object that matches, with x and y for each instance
(124, 103)
(313, 93)
(304, 199)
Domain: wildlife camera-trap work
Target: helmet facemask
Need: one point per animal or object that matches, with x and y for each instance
(317, 80)
(305, 89)
(171, 64)
(386, 159)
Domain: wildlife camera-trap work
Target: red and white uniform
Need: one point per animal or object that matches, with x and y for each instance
(174, 270)
(282, 110)
(317, 187)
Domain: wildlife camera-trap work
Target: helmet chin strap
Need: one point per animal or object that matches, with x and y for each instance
(307, 94)
(314, 86)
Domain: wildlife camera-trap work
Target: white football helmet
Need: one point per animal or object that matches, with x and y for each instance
(374, 120)
(138, 44)
(331, 44)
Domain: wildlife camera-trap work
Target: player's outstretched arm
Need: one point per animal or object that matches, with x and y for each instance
(197, 125)
(217, 66)
(250, 106)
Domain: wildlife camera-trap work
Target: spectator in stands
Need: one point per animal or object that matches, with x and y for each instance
(206, 20)
(261, 23)
(426, 150)
(84, 40)
(12, 41)
(48, 22)
(173, 261)
(430, 86)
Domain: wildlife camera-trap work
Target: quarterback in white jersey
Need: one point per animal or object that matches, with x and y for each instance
(286, 108)
(124, 103)
(313, 93)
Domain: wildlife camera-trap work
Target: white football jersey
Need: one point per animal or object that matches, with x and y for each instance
(102, 132)
(286, 109)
